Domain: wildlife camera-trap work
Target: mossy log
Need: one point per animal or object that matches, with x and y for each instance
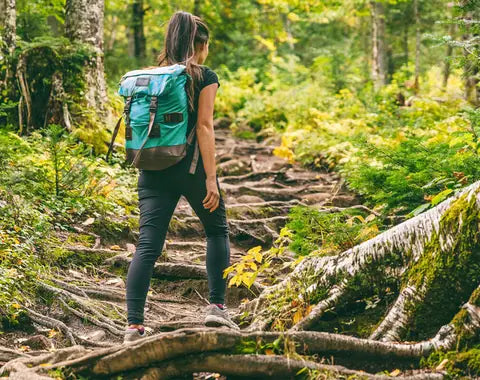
(435, 259)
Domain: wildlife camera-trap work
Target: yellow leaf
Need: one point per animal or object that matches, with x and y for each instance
(254, 250)
(116, 248)
(297, 316)
(232, 280)
(253, 266)
(16, 306)
(395, 373)
(258, 257)
(308, 309)
(269, 351)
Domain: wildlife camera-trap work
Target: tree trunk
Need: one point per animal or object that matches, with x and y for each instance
(471, 66)
(196, 7)
(447, 65)
(139, 43)
(379, 51)
(287, 24)
(417, 45)
(8, 16)
(406, 29)
(84, 23)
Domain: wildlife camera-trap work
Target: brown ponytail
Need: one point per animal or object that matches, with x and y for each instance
(184, 32)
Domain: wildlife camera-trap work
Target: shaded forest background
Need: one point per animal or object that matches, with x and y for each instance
(383, 92)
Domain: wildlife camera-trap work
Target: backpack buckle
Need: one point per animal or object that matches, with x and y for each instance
(153, 104)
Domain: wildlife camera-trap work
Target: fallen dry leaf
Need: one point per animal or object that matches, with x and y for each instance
(442, 365)
(395, 373)
(88, 221)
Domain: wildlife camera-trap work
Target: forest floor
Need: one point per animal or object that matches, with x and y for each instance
(84, 302)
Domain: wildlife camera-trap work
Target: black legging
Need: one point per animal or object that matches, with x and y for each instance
(158, 193)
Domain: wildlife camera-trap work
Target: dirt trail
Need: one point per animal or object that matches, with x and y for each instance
(87, 304)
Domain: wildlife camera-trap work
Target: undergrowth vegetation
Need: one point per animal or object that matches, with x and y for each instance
(403, 152)
(49, 183)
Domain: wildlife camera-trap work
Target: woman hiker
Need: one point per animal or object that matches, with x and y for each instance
(186, 43)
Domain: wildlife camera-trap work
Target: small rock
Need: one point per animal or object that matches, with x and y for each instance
(233, 167)
(222, 123)
(311, 199)
(36, 342)
(344, 200)
(131, 248)
(249, 199)
(279, 165)
(74, 273)
(95, 336)
(118, 282)
(88, 221)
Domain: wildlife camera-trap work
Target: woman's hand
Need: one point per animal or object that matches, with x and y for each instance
(212, 200)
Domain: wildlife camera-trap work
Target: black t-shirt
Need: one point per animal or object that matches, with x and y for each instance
(209, 77)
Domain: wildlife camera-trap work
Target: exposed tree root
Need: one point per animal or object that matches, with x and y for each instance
(7, 354)
(317, 312)
(397, 318)
(167, 350)
(409, 249)
(260, 367)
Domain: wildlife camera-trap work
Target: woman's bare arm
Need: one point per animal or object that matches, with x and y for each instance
(206, 142)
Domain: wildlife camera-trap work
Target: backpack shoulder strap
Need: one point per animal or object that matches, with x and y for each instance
(153, 112)
(126, 113)
(114, 136)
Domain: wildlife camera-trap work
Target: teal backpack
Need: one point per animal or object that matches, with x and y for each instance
(156, 118)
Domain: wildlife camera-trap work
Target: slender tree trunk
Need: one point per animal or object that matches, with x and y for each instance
(139, 43)
(379, 56)
(406, 30)
(196, 7)
(471, 67)
(113, 35)
(417, 45)
(84, 23)
(8, 16)
(446, 67)
(366, 48)
(8, 28)
(288, 29)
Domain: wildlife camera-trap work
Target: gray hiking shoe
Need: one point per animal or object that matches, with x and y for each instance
(132, 335)
(217, 317)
